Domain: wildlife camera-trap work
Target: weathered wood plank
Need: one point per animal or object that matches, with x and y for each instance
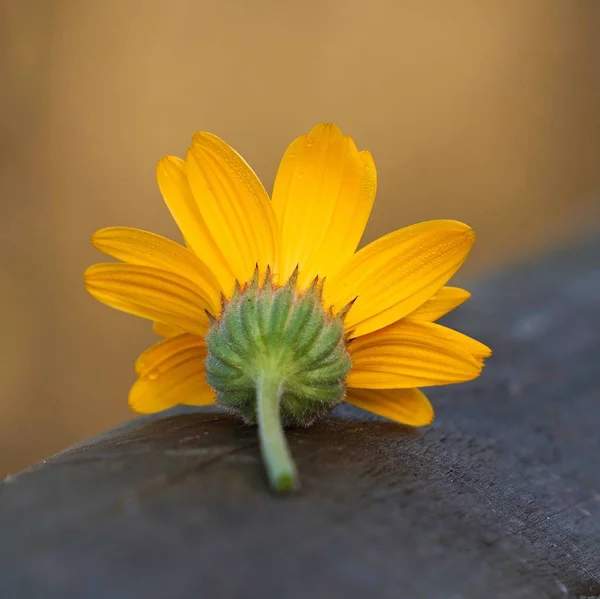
(500, 498)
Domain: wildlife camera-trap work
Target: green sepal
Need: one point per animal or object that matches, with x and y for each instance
(285, 335)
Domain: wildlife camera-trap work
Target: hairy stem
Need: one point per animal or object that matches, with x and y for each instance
(276, 454)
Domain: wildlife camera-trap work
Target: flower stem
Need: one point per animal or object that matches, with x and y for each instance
(276, 454)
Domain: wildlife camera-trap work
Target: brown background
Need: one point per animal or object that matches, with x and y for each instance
(481, 110)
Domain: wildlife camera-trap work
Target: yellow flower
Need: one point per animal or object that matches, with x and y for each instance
(390, 292)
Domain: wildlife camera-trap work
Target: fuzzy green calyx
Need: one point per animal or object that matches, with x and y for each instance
(276, 332)
(276, 357)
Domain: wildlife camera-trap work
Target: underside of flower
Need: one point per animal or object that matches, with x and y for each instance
(277, 358)
(275, 349)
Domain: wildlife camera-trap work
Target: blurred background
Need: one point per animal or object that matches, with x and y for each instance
(482, 111)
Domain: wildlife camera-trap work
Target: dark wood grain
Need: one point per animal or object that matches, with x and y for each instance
(500, 498)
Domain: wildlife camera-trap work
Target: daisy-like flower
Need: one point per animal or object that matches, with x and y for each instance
(269, 311)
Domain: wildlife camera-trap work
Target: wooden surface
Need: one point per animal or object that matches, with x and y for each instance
(500, 498)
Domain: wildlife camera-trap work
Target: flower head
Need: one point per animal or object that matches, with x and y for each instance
(269, 310)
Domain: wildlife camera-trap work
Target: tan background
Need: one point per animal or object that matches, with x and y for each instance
(481, 110)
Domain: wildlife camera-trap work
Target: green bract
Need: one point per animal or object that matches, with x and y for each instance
(277, 333)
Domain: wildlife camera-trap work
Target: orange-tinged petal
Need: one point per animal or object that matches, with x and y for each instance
(161, 356)
(171, 372)
(175, 189)
(234, 205)
(407, 406)
(166, 330)
(409, 354)
(322, 198)
(444, 301)
(135, 246)
(397, 273)
(151, 293)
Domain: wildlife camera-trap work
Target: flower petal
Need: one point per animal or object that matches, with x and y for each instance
(407, 406)
(396, 274)
(410, 354)
(322, 198)
(161, 356)
(151, 293)
(175, 189)
(474, 347)
(234, 205)
(171, 372)
(166, 330)
(444, 301)
(148, 249)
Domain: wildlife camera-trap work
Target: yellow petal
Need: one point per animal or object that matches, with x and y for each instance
(171, 372)
(322, 198)
(409, 354)
(234, 205)
(150, 293)
(159, 358)
(396, 274)
(165, 330)
(474, 347)
(407, 406)
(444, 301)
(173, 183)
(147, 249)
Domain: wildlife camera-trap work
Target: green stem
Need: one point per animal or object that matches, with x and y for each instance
(276, 454)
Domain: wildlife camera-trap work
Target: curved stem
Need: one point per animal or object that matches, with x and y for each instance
(276, 454)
